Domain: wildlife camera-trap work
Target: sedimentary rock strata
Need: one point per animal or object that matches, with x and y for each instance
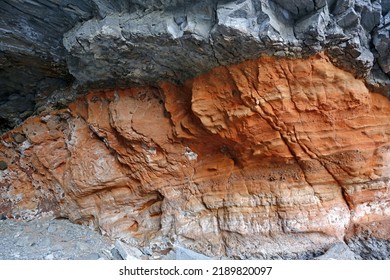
(268, 158)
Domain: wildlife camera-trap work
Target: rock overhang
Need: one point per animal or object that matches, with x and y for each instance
(61, 48)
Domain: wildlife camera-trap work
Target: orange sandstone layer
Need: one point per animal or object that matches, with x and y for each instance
(251, 160)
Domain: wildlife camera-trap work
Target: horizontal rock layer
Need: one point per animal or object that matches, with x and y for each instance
(269, 158)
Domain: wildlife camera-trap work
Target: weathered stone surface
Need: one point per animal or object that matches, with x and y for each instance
(382, 43)
(178, 43)
(30, 240)
(127, 252)
(269, 158)
(186, 254)
(52, 50)
(370, 240)
(339, 251)
(32, 56)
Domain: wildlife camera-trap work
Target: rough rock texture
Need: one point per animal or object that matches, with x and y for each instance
(370, 240)
(268, 158)
(52, 50)
(47, 239)
(340, 251)
(239, 129)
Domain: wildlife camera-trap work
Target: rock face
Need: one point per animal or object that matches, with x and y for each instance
(60, 48)
(238, 129)
(268, 158)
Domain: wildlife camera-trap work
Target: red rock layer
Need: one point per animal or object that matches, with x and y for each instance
(250, 160)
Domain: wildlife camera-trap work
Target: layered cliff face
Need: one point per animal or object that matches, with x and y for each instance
(267, 158)
(240, 129)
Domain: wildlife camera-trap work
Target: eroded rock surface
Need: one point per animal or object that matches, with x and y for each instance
(51, 51)
(52, 239)
(269, 158)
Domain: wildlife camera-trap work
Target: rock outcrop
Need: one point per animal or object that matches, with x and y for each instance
(268, 158)
(61, 48)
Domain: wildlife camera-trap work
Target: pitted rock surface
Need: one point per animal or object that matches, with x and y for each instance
(269, 158)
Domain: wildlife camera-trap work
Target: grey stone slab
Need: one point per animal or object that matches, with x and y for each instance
(127, 252)
(182, 253)
(339, 251)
